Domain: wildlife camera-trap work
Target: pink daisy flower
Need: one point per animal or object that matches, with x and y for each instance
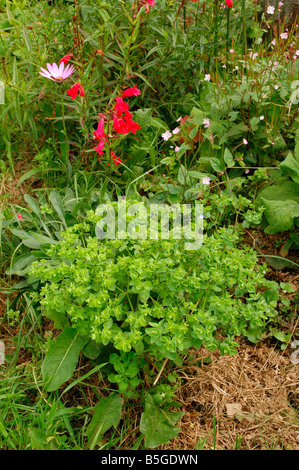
(57, 73)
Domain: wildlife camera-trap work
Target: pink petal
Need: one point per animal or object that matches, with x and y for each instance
(47, 76)
(60, 70)
(50, 68)
(55, 70)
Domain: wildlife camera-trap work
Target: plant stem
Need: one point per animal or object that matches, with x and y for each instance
(66, 153)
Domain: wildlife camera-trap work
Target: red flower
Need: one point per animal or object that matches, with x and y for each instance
(131, 92)
(99, 133)
(229, 3)
(81, 92)
(66, 58)
(100, 146)
(73, 92)
(121, 107)
(133, 126)
(117, 161)
(125, 125)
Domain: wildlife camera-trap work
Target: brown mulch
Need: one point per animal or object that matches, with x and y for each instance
(249, 401)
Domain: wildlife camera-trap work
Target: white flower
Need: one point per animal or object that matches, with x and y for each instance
(205, 180)
(284, 35)
(206, 122)
(253, 55)
(262, 118)
(176, 130)
(167, 135)
(276, 87)
(297, 52)
(245, 142)
(179, 119)
(176, 149)
(207, 77)
(270, 10)
(273, 42)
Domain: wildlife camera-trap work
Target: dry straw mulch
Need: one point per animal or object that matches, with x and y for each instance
(249, 401)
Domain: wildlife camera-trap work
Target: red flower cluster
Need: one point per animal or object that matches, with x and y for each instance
(229, 3)
(122, 122)
(77, 88)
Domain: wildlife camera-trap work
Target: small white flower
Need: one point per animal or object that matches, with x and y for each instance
(273, 42)
(179, 119)
(166, 135)
(297, 52)
(176, 130)
(236, 67)
(270, 10)
(207, 77)
(276, 87)
(205, 180)
(206, 122)
(176, 149)
(284, 35)
(245, 142)
(262, 118)
(231, 51)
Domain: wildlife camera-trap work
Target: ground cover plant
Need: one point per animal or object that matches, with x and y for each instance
(135, 342)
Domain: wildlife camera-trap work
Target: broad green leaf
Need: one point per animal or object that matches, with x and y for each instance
(279, 192)
(61, 359)
(280, 215)
(107, 413)
(290, 167)
(158, 424)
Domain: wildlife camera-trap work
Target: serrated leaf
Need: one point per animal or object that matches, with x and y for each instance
(61, 359)
(158, 424)
(107, 413)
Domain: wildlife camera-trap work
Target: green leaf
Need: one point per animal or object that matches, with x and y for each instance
(197, 115)
(20, 264)
(107, 413)
(228, 158)
(158, 424)
(143, 117)
(61, 359)
(280, 215)
(27, 175)
(290, 167)
(32, 204)
(58, 205)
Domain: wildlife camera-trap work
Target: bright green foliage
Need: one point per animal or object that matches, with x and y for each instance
(154, 298)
